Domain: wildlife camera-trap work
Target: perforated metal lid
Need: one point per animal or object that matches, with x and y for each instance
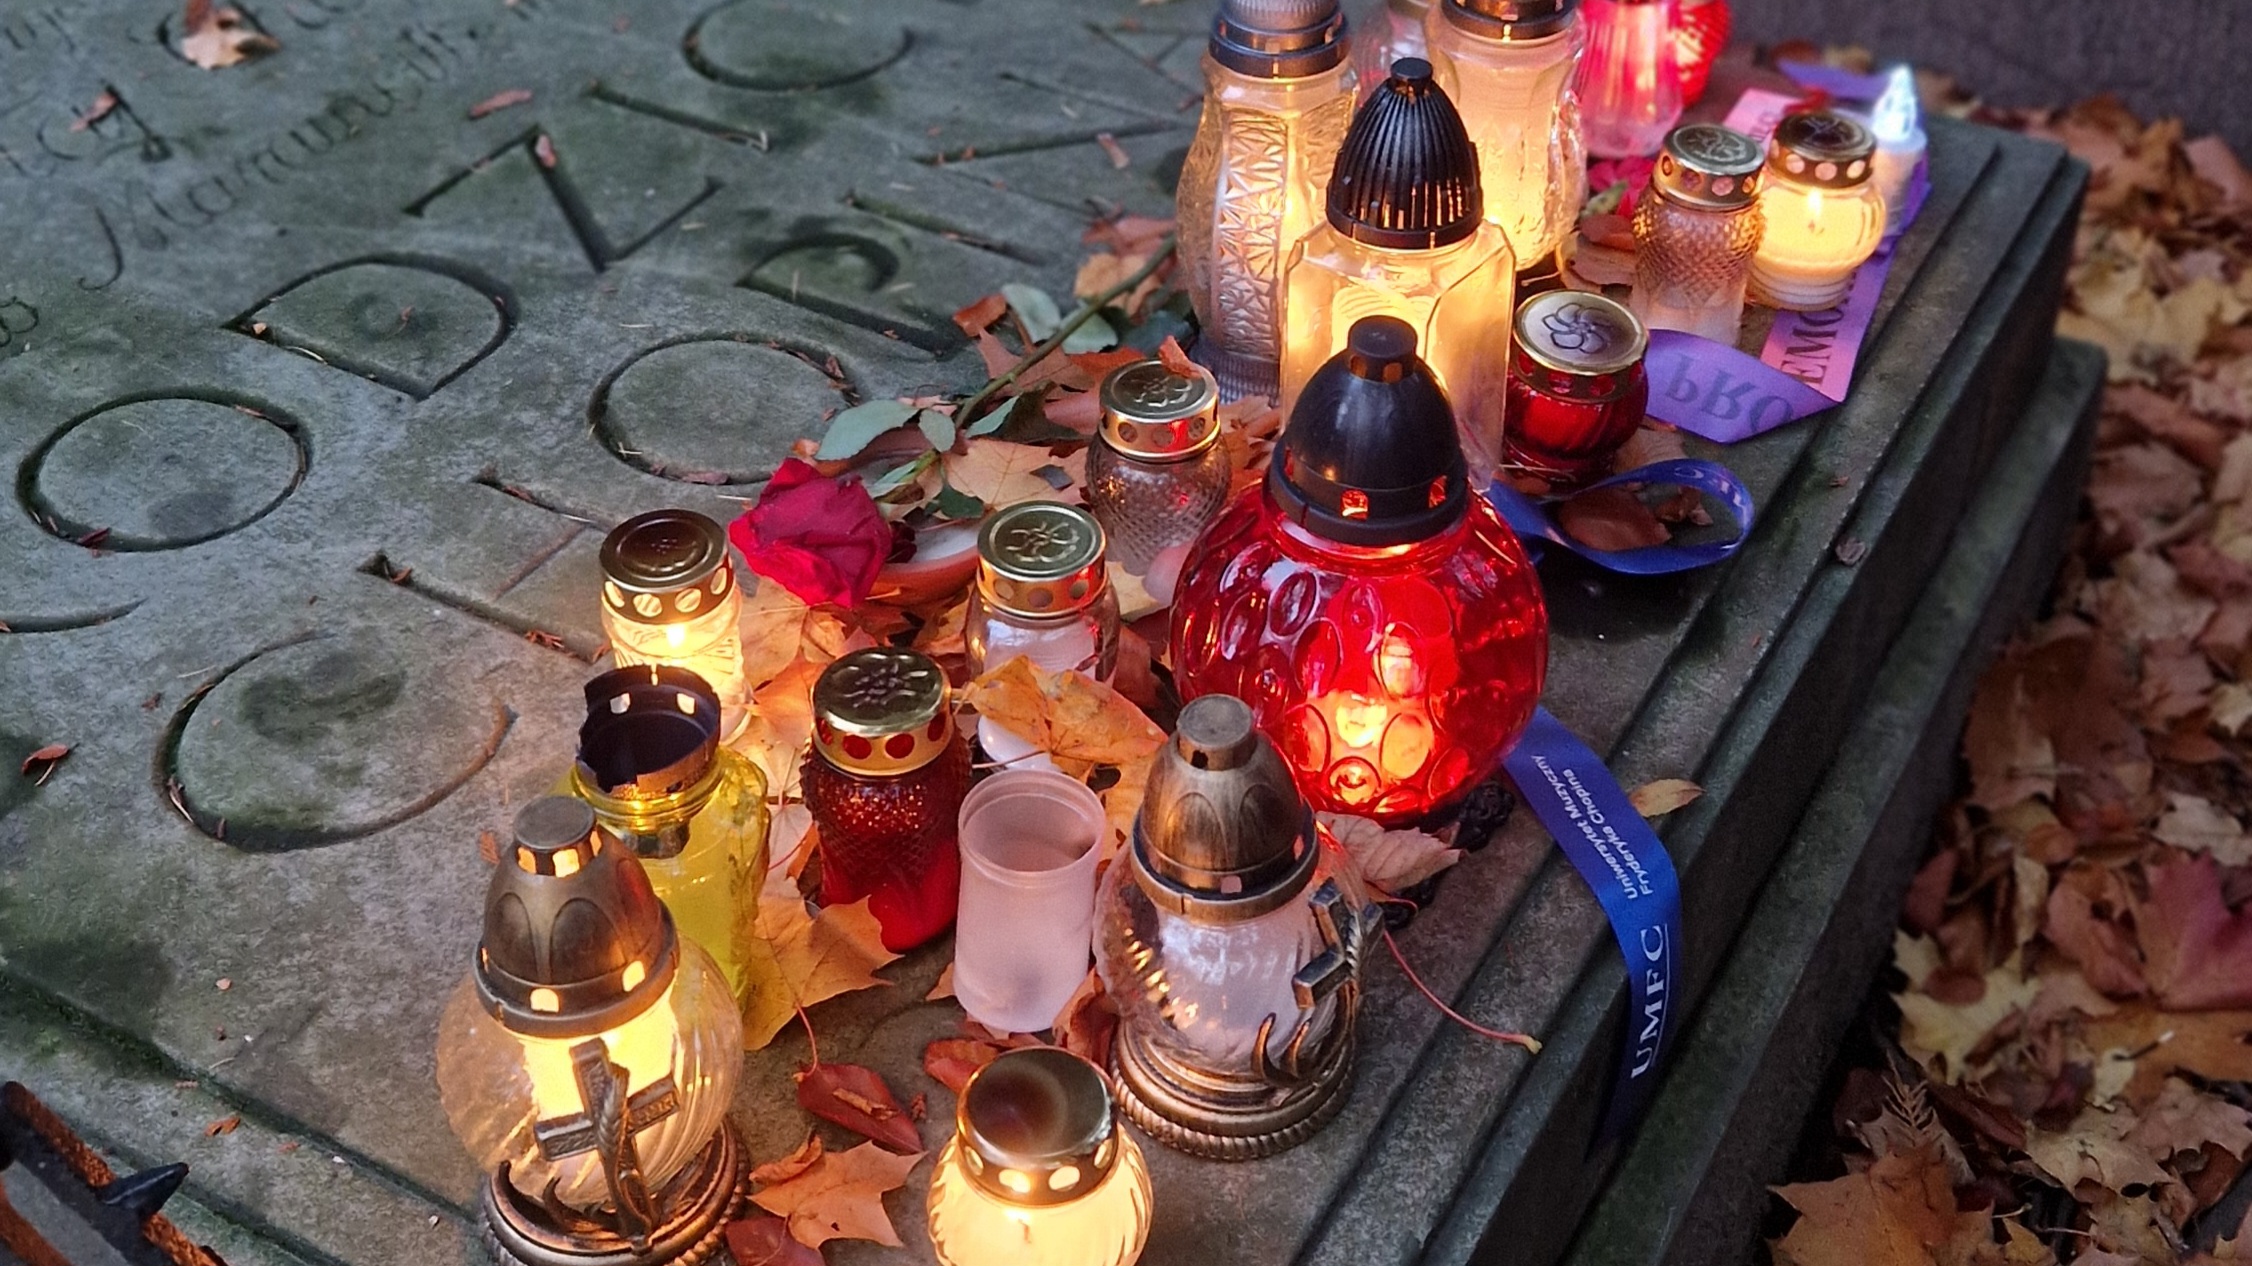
(1037, 1127)
(1279, 39)
(1822, 148)
(1407, 176)
(1710, 166)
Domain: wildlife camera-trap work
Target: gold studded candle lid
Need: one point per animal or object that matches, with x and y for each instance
(665, 567)
(1709, 166)
(1822, 148)
(1578, 345)
(882, 711)
(1036, 1127)
(1153, 414)
(1039, 559)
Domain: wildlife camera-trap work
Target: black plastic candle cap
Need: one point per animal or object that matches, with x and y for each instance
(1371, 456)
(1407, 175)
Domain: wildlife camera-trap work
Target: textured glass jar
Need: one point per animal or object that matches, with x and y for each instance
(1629, 87)
(669, 597)
(1821, 215)
(1042, 592)
(1508, 66)
(1156, 473)
(1577, 390)
(692, 811)
(1397, 32)
(1700, 35)
(885, 777)
(1404, 238)
(1384, 625)
(1696, 232)
(1038, 1172)
(1278, 95)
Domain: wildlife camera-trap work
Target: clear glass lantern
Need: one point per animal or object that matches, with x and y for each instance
(1821, 215)
(1397, 32)
(1696, 232)
(1156, 473)
(1042, 592)
(1232, 947)
(669, 598)
(1377, 615)
(1897, 123)
(1038, 1172)
(1404, 238)
(1278, 94)
(1508, 66)
(695, 813)
(884, 778)
(1629, 88)
(588, 1061)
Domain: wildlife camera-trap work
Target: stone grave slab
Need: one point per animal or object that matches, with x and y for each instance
(355, 381)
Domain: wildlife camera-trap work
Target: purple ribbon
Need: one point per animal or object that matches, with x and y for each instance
(1845, 85)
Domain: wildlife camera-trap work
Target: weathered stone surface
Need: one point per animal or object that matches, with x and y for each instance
(609, 285)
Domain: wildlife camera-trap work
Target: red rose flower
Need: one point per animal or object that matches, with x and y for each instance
(822, 539)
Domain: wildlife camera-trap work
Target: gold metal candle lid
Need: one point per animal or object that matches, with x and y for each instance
(882, 712)
(1578, 344)
(1709, 166)
(1822, 148)
(1036, 1127)
(1154, 414)
(1040, 559)
(1223, 834)
(665, 567)
(1510, 19)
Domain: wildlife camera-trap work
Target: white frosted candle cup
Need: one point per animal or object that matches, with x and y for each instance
(1025, 934)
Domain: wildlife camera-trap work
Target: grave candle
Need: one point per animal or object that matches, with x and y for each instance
(1398, 33)
(1232, 951)
(1038, 1172)
(1156, 473)
(1821, 216)
(1380, 619)
(1576, 385)
(1696, 231)
(669, 598)
(1897, 123)
(1042, 592)
(885, 777)
(588, 1061)
(1508, 66)
(1278, 95)
(1700, 35)
(650, 764)
(1630, 91)
(1405, 238)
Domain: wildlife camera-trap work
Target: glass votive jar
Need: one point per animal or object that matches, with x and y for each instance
(1822, 216)
(1156, 473)
(650, 764)
(1038, 1172)
(1629, 88)
(1577, 390)
(1042, 592)
(885, 777)
(1022, 945)
(1696, 231)
(669, 598)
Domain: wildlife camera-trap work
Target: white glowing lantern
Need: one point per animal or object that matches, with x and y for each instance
(1898, 125)
(1822, 218)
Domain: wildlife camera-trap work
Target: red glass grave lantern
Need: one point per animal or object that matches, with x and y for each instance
(1381, 620)
(1700, 32)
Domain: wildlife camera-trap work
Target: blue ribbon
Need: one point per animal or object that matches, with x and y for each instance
(1536, 520)
(1568, 788)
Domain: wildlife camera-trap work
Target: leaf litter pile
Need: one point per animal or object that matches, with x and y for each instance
(2057, 1070)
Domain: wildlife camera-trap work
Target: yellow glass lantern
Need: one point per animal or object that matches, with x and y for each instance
(588, 1061)
(1038, 1172)
(669, 598)
(1822, 215)
(1406, 238)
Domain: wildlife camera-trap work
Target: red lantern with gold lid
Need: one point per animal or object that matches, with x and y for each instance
(885, 779)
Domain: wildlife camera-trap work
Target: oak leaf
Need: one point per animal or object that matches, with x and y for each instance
(857, 1099)
(1394, 861)
(841, 1196)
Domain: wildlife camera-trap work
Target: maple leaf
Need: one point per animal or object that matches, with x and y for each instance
(1656, 799)
(1078, 721)
(2185, 1119)
(858, 1099)
(1394, 861)
(1951, 1031)
(2098, 942)
(790, 1166)
(216, 36)
(2197, 954)
(2094, 1148)
(1895, 1213)
(944, 987)
(2215, 1045)
(840, 1197)
(951, 1061)
(2195, 824)
(799, 960)
(999, 473)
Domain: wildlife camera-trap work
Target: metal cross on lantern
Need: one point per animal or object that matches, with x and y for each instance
(607, 1126)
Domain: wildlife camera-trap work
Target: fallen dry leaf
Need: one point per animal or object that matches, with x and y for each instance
(944, 987)
(2197, 953)
(790, 1166)
(1394, 861)
(800, 959)
(841, 1196)
(951, 1061)
(224, 1125)
(857, 1099)
(216, 36)
(1611, 519)
(500, 101)
(764, 1240)
(1088, 1021)
(998, 472)
(1078, 721)
(41, 764)
(1656, 799)
(1899, 1212)
(104, 102)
